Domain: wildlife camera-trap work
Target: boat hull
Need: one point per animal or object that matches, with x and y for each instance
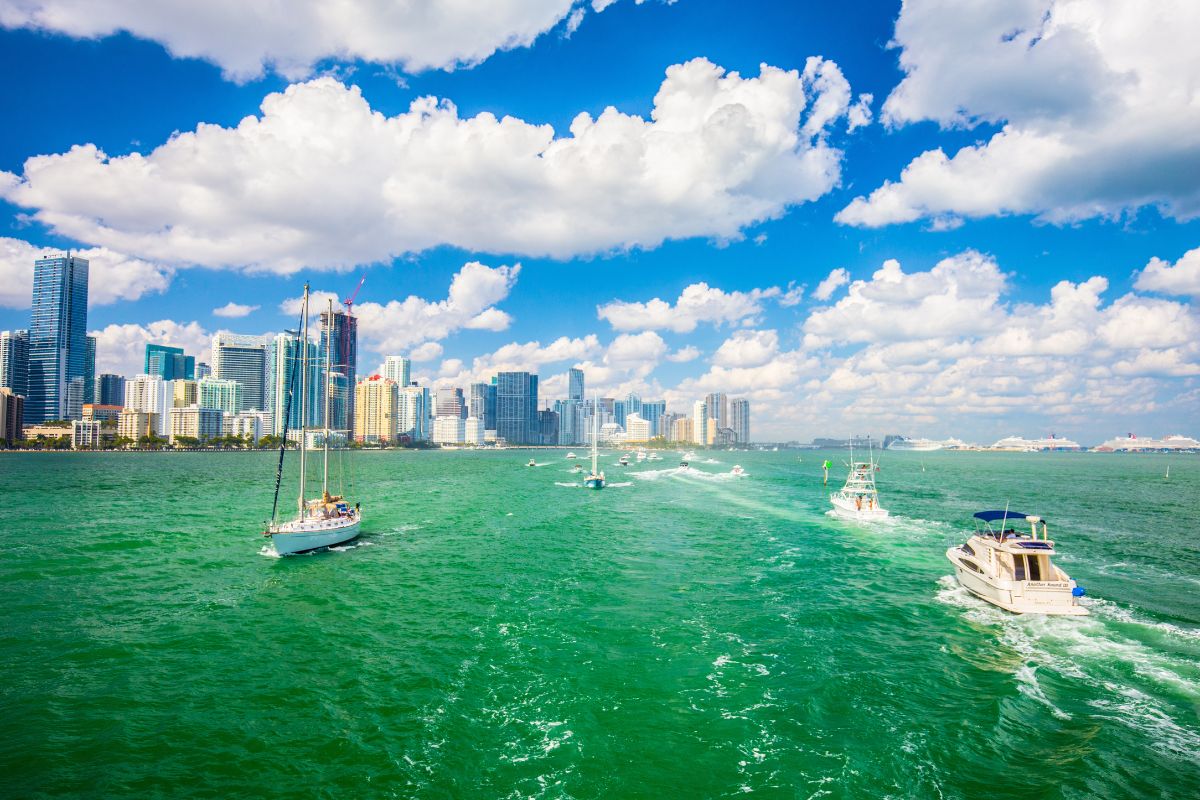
(851, 511)
(593, 483)
(294, 538)
(1018, 597)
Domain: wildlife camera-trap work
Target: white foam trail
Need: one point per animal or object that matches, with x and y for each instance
(569, 485)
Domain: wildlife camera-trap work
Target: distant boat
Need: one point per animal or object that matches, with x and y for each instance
(595, 478)
(858, 498)
(531, 463)
(1012, 569)
(737, 470)
(654, 457)
(577, 468)
(623, 461)
(572, 455)
(327, 520)
(683, 464)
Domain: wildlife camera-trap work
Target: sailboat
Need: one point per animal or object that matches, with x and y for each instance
(327, 520)
(595, 478)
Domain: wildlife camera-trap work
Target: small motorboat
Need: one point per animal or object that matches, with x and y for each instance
(654, 457)
(577, 468)
(572, 455)
(683, 465)
(623, 461)
(1012, 569)
(737, 470)
(531, 463)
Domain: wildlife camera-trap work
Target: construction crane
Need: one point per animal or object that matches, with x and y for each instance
(349, 301)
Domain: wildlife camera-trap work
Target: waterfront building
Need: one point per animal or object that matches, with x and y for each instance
(14, 361)
(473, 431)
(151, 394)
(96, 412)
(247, 424)
(450, 401)
(637, 428)
(517, 407)
(412, 417)
(243, 359)
(89, 371)
(717, 404)
(169, 363)
(110, 389)
(570, 421)
(449, 430)
(575, 384)
(547, 427)
(134, 424)
(57, 339)
(483, 404)
(195, 421)
(283, 379)
(12, 416)
(699, 422)
(339, 349)
(739, 419)
(186, 394)
(85, 435)
(681, 430)
(612, 434)
(225, 395)
(376, 410)
(710, 431)
(398, 369)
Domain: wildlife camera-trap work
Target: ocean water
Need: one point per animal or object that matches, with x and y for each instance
(499, 633)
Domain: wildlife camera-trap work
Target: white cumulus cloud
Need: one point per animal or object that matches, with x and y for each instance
(321, 180)
(697, 303)
(236, 310)
(112, 276)
(121, 349)
(1180, 278)
(1096, 100)
(832, 282)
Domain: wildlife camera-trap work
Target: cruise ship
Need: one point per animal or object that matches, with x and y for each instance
(1022, 445)
(926, 445)
(1175, 443)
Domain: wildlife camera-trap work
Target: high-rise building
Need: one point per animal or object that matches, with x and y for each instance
(376, 410)
(243, 359)
(575, 384)
(133, 425)
(284, 357)
(14, 361)
(110, 389)
(547, 426)
(739, 419)
(152, 395)
(699, 422)
(89, 371)
(681, 429)
(251, 425)
(398, 369)
(633, 403)
(339, 349)
(85, 434)
(450, 402)
(619, 412)
(12, 414)
(412, 418)
(517, 407)
(653, 411)
(718, 408)
(225, 395)
(203, 370)
(449, 430)
(185, 394)
(637, 428)
(483, 404)
(570, 421)
(195, 421)
(57, 339)
(473, 430)
(169, 363)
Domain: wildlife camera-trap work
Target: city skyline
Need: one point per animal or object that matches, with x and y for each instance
(882, 287)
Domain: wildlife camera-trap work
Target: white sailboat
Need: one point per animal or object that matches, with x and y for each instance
(859, 499)
(327, 520)
(595, 478)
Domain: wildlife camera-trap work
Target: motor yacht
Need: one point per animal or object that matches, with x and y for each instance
(1012, 569)
(531, 463)
(858, 499)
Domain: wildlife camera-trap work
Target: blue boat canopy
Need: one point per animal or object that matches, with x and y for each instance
(989, 516)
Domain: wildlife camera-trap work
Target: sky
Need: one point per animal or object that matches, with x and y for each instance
(937, 219)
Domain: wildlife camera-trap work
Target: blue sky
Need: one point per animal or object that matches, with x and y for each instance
(1071, 154)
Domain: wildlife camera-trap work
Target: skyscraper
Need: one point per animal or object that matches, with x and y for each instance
(339, 349)
(482, 404)
(110, 389)
(575, 384)
(739, 419)
(699, 422)
(57, 338)
(169, 363)
(633, 403)
(283, 377)
(377, 410)
(398, 369)
(516, 407)
(152, 395)
(220, 393)
(652, 411)
(14, 361)
(451, 403)
(718, 408)
(619, 412)
(242, 359)
(413, 413)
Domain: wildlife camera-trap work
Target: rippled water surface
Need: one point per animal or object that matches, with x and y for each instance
(498, 632)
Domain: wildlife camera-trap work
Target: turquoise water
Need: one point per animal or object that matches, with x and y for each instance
(497, 634)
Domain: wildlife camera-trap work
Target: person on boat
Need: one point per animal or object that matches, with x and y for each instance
(870, 503)
(858, 502)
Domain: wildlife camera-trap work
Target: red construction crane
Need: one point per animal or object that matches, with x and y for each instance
(349, 301)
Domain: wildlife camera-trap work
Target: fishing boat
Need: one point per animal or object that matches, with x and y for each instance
(595, 478)
(737, 470)
(531, 463)
(327, 520)
(1012, 569)
(858, 499)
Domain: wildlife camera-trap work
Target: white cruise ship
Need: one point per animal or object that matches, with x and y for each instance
(916, 445)
(1175, 443)
(1022, 445)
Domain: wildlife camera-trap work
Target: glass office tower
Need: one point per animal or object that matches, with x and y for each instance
(57, 339)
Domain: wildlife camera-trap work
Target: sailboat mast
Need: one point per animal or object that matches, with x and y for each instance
(303, 395)
(595, 430)
(328, 394)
